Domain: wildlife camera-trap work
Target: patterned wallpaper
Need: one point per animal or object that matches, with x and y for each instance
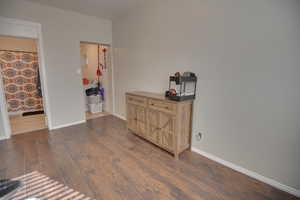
(20, 73)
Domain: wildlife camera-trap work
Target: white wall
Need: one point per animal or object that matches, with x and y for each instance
(2, 130)
(62, 32)
(246, 54)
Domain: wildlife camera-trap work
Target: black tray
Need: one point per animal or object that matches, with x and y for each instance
(181, 98)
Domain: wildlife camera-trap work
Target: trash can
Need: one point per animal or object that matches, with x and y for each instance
(95, 107)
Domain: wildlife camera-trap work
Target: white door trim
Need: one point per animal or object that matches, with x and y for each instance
(4, 113)
(112, 53)
(26, 29)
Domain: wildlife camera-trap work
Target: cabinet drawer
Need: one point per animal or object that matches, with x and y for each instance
(136, 100)
(162, 106)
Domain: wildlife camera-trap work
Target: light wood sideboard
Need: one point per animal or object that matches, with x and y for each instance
(163, 122)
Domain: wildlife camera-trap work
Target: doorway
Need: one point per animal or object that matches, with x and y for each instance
(96, 79)
(20, 76)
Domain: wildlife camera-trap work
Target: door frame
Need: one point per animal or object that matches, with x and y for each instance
(112, 73)
(24, 29)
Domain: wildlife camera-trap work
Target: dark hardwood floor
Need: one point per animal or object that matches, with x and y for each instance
(104, 161)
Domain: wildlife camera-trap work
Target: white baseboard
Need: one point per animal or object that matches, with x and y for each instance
(247, 172)
(3, 138)
(67, 125)
(120, 116)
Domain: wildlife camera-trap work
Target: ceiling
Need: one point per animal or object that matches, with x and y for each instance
(109, 9)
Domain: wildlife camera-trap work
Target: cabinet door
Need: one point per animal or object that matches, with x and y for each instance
(131, 117)
(166, 131)
(136, 119)
(141, 126)
(153, 126)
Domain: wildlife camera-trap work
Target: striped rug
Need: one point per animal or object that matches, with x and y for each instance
(40, 187)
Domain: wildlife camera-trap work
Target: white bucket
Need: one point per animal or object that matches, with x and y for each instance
(93, 99)
(95, 107)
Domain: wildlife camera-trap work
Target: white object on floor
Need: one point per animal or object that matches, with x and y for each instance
(93, 99)
(95, 108)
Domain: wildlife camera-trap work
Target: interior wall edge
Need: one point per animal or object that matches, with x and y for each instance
(3, 138)
(113, 79)
(119, 116)
(16, 27)
(67, 125)
(249, 173)
(67, 51)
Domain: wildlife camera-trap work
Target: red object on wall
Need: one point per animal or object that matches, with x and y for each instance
(99, 73)
(85, 81)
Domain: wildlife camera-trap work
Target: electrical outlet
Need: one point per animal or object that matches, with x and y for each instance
(199, 136)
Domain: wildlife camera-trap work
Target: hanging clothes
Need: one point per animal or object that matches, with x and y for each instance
(38, 84)
(20, 77)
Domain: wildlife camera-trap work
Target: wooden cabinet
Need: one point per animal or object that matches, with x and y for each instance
(153, 123)
(166, 130)
(131, 117)
(165, 123)
(136, 119)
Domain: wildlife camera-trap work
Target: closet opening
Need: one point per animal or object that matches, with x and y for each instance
(20, 75)
(96, 79)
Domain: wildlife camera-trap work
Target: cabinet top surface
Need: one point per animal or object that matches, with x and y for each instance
(152, 95)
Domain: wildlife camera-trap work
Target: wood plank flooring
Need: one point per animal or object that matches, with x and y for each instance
(90, 115)
(103, 160)
(23, 124)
